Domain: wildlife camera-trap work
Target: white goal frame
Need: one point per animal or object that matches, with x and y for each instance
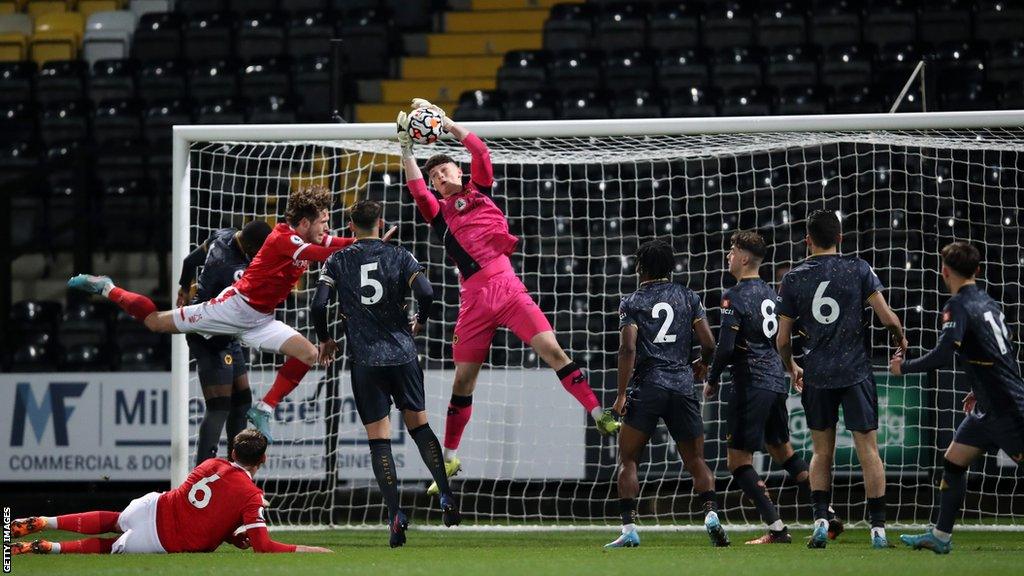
(185, 135)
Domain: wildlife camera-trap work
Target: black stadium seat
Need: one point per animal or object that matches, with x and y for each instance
(523, 70)
(311, 78)
(674, 25)
(16, 79)
(62, 121)
(621, 26)
(19, 121)
(729, 23)
(530, 105)
(575, 69)
(959, 62)
(61, 80)
(568, 27)
(1006, 62)
(833, 23)
(368, 41)
(309, 34)
(637, 103)
(746, 101)
(781, 23)
(944, 21)
(158, 36)
(890, 21)
(263, 77)
(683, 68)
(112, 79)
(271, 110)
(116, 120)
(792, 66)
(219, 111)
(211, 79)
(260, 35)
(998, 20)
(737, 66)
(695, 101)
(629, 68)
(208, 36)
(801, 100)
(481, 105)
(158, 117)
(847, 65)
(194, 8)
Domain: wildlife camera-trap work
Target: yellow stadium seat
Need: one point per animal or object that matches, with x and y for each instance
(13, 47)
(12, 6)
(58, 36)
(40, 7)
(89, 7)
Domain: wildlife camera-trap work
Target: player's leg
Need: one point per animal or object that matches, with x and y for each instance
(213, 364)
(860, 414)
(241, 395)
(460, 409)
(632, 442)
(821, 408)
(280, 338)
(682, 416)
(99, 522)
(799, 473)
(138, 306)
(85, 546)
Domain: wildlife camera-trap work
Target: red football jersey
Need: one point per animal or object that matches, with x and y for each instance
(279, 264)
(217, 497)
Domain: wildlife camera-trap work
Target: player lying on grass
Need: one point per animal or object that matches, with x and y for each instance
(824, 297)
(658, 325)
(756, 413)
(221, 361)
(372, 280)
(246, 309)
(218, 502)
(476, 237)
(974, 330)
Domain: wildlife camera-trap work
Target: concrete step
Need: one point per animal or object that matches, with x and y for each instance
(401, 92)
(506, 4)
(386, 112)
(495, 21)
(429, 67)
(481, 44)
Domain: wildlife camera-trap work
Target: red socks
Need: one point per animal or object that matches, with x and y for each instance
(88, 546)
(137, 305)
(460, 408)
(288, 377)
(89, 522)
(576, 383)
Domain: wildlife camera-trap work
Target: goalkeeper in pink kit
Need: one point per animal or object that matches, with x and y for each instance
(476, 237)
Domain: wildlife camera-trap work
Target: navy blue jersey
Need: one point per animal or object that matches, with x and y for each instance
(373, 281)
(748, 308)
(825, 296)
(224, 264)
(973, 325)
(664, 314)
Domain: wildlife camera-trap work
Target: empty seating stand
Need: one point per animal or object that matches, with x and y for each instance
(108, 35)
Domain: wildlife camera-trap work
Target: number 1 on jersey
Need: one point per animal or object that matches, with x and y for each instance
(999, 329)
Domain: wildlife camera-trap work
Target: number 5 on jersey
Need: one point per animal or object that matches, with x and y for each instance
(365, 280)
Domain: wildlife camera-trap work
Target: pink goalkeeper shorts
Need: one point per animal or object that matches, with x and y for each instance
(491, 301)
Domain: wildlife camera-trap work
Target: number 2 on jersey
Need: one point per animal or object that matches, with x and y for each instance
(663, 337)
(365, 280)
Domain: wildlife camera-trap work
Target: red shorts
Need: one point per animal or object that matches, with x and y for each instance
(500, 302)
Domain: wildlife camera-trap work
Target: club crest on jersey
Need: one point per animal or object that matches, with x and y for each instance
(296, 240)
(725, 303)
(238, 274)
(228, 360)
(460, 204)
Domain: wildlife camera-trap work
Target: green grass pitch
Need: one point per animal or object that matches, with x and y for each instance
(563, 553)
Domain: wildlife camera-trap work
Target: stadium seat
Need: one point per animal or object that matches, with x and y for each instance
(621, 26)
(969, 95)
(90, 7)
(18, 156)
(855, 99)
(957, 63)
(271, 110)
(736, 66)
(157, 119)
(480, 105)
(33, 358)
(998, 20)
(568, 27)
(85, 323)
(219, 111)
(162, 79)
(256, 5)
(122, 160)
(84, 358)
(142, 7)
(309, 34)
(847, 65)
(944, 21)
(673, 25)
(37, 8)
(296, 6)
(57, 36)
(34, 316)
(637, 103)
(792, 66)
(15, 30)
(729, 23)
(130, 202)
(192, 8)
(781, 23)
(835, 23)
(108, 35)
(746, 101)
(62, 121)
(530, 105)
(1005, 62)
(584, 103)
(629, 68)
(894, 63)
(19, 121)
(158, 37)
(890, 22)
(260, 35)
(575, 69)
(801, 100)
(264, 77)
(140, 358)
(695, 101)
(368, 41)
(112, 79)
(60, 80)
(524, 70)
(16, 79)
(311, 80)
(683, 68)
(208, 35)
(116, 120)
(213, 79)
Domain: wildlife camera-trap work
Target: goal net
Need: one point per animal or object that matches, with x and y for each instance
(581, 196)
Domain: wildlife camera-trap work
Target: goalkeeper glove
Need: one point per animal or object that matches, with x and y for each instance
(446, 122)
(404, 140)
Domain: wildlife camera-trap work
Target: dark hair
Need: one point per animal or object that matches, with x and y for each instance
(249, 447)
(751, 242)
(307, 202)
(365, 214)
(655, 259)
(252, 236)
(824, 228)
(435, 161)
(962, 257)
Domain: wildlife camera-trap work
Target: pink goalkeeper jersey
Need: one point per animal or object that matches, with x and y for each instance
(474, 231)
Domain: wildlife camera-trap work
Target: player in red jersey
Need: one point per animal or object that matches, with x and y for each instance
(477, 240)
(218, 502)
(246, 309)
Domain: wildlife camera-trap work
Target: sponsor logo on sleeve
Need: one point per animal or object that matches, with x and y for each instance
(296, 240)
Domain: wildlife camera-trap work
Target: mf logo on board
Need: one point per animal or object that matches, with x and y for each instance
(39, 412)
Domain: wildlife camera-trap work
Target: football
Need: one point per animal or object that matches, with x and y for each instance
(425, 126)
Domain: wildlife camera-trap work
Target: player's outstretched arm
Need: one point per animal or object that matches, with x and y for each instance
(425, 201)
(481, 170)
(627, 358)
(889, 319)
(953, 329)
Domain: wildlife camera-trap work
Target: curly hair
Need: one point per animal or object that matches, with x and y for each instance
(307, 202)
(655, 259)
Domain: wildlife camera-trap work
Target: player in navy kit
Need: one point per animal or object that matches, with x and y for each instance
(221, 362)
(372, 280)
(824, 297)
(756, 414)
(973, 327)
(658, 325)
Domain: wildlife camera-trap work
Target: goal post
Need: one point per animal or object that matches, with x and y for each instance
(581, 195)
